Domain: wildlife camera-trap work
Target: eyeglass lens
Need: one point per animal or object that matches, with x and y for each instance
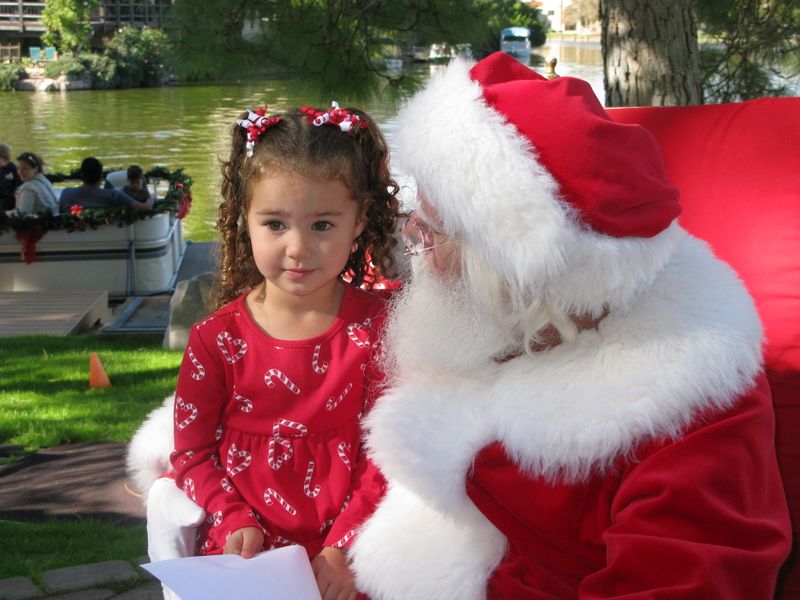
(416, 235)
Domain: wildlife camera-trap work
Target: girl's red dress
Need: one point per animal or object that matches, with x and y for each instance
(267, 431)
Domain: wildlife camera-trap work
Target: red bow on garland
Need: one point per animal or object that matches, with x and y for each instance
(186, 202)
(27, 251)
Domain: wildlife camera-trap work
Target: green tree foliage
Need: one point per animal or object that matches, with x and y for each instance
(139, 55)
(208, 40)
(67, 24)
(512, 13)
(753, 49)
(10, 73)
(330, 41)
(133, 58)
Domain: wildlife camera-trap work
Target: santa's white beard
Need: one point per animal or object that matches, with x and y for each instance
(435, 325)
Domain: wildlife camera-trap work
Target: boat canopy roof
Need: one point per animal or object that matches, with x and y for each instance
(515, 32)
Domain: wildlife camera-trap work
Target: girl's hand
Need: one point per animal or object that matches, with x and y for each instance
(246, 541)
(334, 578)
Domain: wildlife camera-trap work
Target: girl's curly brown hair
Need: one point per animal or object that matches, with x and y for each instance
(359, 159)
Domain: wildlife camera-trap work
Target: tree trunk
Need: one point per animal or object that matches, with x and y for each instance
(650, 55)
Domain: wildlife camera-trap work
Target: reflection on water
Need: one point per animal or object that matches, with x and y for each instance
(189, 126)
(185, 127)
(577, 59)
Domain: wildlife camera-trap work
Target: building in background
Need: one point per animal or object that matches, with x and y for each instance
(21, 24)
(578, 16)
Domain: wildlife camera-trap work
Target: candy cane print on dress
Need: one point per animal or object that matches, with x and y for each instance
(225, 339)
(269, 494)
(334, 402)
(342, 449)
(277, 373)
(188, 487)
(238, 460)
(187, 456)
(245, 404)
(311, 493)
(184, 407)
(318, 368)
(299, 430)
(326, 525)
(207, 546)
(274, 459)
(216, 462)
(215, 520)
(201, 370)
(345, 538)
(346, 503)
(278, 541)
(226, 485)
(355, 328)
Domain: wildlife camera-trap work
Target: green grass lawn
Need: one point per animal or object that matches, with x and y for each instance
(30, 548)
(45, 400)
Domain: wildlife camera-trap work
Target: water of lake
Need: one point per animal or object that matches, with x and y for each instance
(189, 126)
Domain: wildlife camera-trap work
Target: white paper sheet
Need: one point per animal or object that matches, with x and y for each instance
(280, 574)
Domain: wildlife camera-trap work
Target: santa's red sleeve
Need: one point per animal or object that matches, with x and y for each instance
(199, 400)
(704, 517)
(368, 485)
(701, 517)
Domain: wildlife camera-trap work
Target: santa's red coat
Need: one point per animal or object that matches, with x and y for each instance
(636, 461)
(673, 521)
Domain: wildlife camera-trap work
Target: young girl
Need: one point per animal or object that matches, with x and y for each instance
(272, 384)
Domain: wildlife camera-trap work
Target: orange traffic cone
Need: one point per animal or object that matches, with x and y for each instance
(97, 374)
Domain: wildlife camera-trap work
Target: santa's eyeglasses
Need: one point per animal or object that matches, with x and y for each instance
(419, 236)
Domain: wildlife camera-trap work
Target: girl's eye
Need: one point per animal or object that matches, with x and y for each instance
(274, 225)
(322, 226)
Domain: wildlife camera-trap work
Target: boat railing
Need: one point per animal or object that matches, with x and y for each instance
(122, 251)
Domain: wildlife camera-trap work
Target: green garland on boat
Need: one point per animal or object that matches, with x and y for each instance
(177, 200)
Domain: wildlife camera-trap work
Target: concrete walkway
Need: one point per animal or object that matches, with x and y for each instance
(99, 581)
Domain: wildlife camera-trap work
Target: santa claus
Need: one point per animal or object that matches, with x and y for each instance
(576, 405)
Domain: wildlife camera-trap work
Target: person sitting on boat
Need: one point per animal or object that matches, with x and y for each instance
(92, 195)
(36, 194)
(136, 187)
(9, 178)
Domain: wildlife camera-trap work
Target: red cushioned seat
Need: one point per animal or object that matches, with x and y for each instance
(737, 167)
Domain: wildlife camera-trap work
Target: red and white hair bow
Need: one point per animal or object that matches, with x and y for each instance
(347, 121)
(256, 123)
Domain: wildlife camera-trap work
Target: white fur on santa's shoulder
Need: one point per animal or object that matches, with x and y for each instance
(690, 346)
(484, 179)
(149, 450)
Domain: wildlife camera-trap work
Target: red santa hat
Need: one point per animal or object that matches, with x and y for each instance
(533, 175)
